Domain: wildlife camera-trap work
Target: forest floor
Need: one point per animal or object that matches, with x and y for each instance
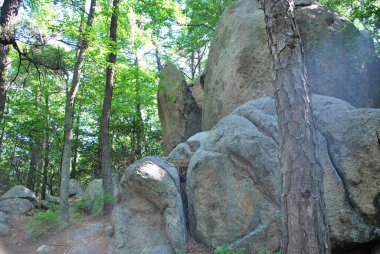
(78, 238)
(19, 242)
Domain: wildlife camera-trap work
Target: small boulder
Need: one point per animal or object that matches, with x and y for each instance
(45, 249)
(108, 230)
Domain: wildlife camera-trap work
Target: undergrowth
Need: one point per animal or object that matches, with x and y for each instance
(43, 222)
(225, 249)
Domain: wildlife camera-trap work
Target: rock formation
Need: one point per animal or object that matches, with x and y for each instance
(148, 215)
(340, 59)
(17, 200)
(233, 184)
(179, 114)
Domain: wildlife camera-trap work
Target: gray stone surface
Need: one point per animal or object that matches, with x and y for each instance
(75, 189)
(197, 90)
(19, 191)
(16, 205)
(87, 231)
(85, 248)
(148, 216)
(5, 224)
(233, 183)
(45, 249)
(340, 59)
(179, 114)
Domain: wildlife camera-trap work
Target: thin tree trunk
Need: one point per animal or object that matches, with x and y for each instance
(192, 65)
(305, 228)
(138, 121)
(158, 60)
(76, 145)
(199, 61)
(69, 110)
(35, 147)
(46, 149)
(106, 114)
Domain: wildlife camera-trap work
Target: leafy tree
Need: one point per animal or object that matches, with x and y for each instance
(106, 113)
(364, 13)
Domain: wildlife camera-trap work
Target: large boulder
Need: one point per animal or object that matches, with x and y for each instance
(16, 205)
(233, 181)
(340, 59)
(148, 215)
(17, 200)
(179, 114)
(19, 191)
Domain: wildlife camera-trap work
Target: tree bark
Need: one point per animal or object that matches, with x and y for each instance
(46, 149)
(9, 12)
(73, 173)
(305, 228)
(69, 111)
(106, 163)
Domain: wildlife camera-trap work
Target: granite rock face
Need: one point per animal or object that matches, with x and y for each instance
(340, 59)
(233, 184)
(179, 114)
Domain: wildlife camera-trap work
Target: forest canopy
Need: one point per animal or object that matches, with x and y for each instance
(40, 59)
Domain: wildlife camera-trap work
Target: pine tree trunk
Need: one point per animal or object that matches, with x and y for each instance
(106, 163)
(305, 228)
(69, 111)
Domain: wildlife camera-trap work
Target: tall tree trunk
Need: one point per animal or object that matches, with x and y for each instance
(106, 114)
(69, 110)
(305, 228)
(9, 12)
(46, 149)
(35, 146)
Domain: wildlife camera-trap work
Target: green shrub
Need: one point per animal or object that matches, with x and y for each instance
(179, 251)
(225, 249)
(43, 222)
